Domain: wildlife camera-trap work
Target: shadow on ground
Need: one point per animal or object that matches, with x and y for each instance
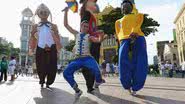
(113, 100)
(58, 96)
(158, 100)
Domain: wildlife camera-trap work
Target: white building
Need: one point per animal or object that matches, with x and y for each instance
(171, 53)
(64, 41)
(65, 57)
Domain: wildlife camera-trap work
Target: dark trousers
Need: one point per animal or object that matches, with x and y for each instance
(171, 73)
(4, 72)
(183, 72)
(46, 62)
(89, 77)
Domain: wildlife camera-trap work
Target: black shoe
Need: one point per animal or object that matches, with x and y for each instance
(47, 86)
(42, 85)
(90, 90)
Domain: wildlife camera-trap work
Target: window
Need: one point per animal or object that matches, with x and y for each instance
(162, 58)
(174, 57)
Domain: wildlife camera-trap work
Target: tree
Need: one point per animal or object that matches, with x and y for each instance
(8, 50)
(70, 46)
(108, 22)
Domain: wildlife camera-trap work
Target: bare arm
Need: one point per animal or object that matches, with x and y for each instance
(69, 28)
(96, 39)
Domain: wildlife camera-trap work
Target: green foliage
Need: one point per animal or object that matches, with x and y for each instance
(70, 46)
(8, 50)
(108, 22)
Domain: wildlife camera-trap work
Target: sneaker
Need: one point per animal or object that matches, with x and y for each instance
(94, 92)
(77, 95)
(97, 84)
(134, 93)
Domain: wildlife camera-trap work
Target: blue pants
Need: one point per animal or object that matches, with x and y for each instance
(133, 71)
(87, 62)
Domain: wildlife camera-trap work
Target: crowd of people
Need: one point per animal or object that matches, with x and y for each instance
(10, 67)
(168, 69)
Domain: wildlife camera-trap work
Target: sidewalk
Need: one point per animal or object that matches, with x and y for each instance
(26, 90)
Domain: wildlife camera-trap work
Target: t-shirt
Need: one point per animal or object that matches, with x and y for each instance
(4, 65)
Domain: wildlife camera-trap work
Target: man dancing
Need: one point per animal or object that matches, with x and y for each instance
(133, 68)
(45, 39)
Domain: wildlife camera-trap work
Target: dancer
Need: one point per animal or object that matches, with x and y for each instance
(46, 40)
(133, 69)
(89, 7)
(82, 52)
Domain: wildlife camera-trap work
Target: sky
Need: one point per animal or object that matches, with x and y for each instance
(163, 11)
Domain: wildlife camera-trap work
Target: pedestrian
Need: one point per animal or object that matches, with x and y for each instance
(162, 67)
(4, 68)
(134, 67)
(34, 70)
(170, 73)
(83, 57)
(12, 66)
(107, 69)
(103, 65)
(183, 69)
(46, 40)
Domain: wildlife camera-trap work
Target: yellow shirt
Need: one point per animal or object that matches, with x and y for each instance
(130, 23)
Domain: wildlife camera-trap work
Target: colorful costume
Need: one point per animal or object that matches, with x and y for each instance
(86, 14)
(83, 59)
(133, 70)
(46, 40)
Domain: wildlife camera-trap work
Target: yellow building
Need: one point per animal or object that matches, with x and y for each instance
(109, 46)
(108, 49)
(180, 34)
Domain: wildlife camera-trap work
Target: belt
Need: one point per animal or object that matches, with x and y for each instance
(81, 56)
(47, 49)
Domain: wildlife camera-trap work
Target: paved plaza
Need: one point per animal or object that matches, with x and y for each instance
(26, 90)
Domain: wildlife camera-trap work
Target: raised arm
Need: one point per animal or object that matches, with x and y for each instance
(69, 28)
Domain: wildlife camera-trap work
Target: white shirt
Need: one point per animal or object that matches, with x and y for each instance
(183, 66)
(45, 36)
(12, 63)
(107, 67)
(162, 66)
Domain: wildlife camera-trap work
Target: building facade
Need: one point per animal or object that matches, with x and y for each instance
(108, 49)
(25, 25)
(65, 57)
(160, 50)
(180, 34)
(64, 41)
(171, 53)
